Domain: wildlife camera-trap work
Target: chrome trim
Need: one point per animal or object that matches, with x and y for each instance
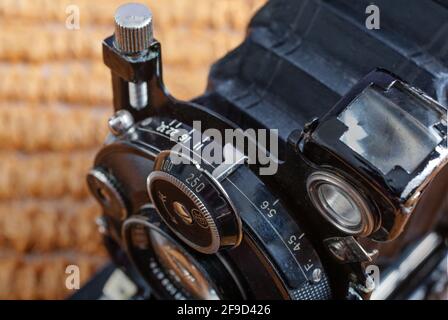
(399, 274)
(317, 179)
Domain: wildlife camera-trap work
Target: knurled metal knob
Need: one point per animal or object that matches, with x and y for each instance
(133, 28)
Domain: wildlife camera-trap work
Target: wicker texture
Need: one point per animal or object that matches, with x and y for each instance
(55, 98)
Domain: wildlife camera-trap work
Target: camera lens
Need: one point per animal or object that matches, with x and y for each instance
(340, 203)
(173, 270)
(182, 267)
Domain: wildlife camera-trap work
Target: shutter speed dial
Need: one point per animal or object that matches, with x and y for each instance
(193, 203)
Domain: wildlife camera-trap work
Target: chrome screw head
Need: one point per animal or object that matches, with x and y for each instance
(317, 275)
(121, 122)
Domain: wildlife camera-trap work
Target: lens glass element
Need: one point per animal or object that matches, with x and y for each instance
(182, 267)
(339, 205)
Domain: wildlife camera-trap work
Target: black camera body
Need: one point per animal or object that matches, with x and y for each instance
(346, 171)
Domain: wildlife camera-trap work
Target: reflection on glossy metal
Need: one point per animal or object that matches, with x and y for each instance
(409, 263)
(104, 188)
(138, 95)
(182, 267)
(348, 250)
(120, 122)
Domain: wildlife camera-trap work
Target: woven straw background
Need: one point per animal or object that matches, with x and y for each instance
(55, 97)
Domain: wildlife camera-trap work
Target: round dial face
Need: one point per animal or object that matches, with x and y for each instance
(193, 204)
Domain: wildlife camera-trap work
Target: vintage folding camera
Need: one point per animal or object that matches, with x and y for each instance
(329, 179)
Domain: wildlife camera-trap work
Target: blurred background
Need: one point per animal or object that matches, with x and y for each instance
(55, 98)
